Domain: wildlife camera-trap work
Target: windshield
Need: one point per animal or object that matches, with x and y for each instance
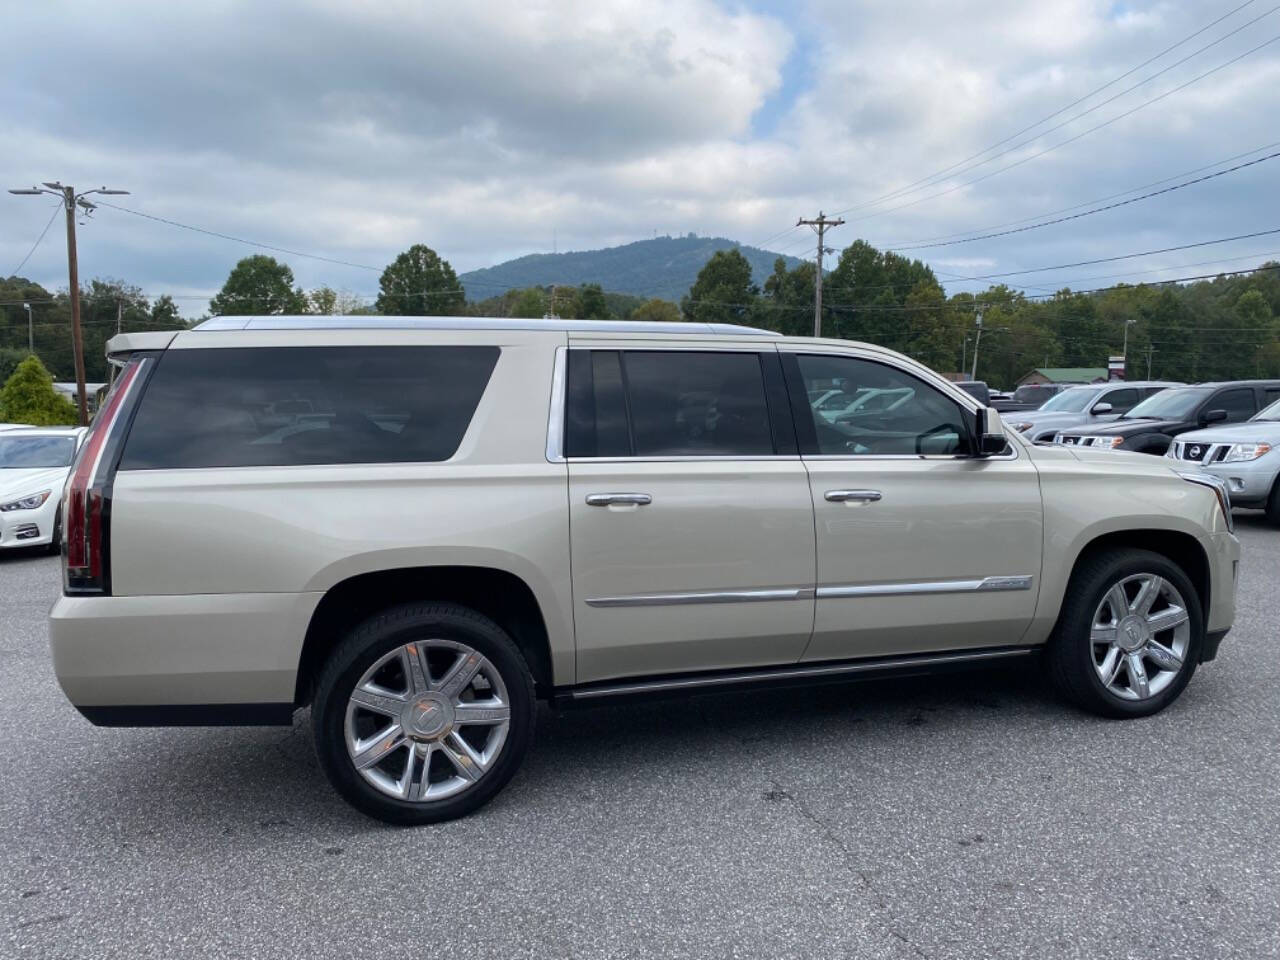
(1168, 404)
(1269, 413)
(25, 453)
(1075, 400)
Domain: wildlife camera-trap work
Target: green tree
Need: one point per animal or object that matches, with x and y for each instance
(258, 285)
(592, 302)
(786, 305)
(723, 292)
(564, 302)
(420, 283)
(656, 310)
(530, 303)
(28, 397)
(10, 357)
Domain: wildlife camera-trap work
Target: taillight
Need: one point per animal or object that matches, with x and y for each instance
(86, 500)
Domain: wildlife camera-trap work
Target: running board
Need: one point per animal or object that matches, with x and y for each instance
(795, 675)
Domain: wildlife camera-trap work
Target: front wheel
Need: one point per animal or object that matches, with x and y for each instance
(1129, 636)
(423, 713)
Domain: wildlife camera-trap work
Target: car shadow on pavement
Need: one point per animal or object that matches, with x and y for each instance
(247, 782)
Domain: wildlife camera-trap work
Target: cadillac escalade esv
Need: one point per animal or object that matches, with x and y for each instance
(418, 526)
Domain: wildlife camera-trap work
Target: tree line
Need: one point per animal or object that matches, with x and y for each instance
(1224, 328)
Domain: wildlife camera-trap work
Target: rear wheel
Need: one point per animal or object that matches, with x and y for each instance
(1129, 636)
(423, 713)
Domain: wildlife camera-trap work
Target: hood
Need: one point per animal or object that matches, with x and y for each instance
(1130, 428)
(22, 483)
(1251, 432)
(1043, 418)
(1125, 460)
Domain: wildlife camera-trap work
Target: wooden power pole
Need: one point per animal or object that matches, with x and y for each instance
(821, 225)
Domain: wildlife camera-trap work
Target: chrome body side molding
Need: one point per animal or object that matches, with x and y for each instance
(709, 596)
(986, 585)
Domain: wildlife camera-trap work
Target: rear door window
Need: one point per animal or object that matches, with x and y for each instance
(285, 406)
(666, 403)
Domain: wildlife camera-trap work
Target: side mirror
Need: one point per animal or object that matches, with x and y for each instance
(991, 440)
(1102, 407)
(1214, 416)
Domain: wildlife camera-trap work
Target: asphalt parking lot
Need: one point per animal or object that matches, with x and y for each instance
(969, 816)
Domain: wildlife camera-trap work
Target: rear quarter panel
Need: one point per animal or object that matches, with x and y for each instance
(301, 529)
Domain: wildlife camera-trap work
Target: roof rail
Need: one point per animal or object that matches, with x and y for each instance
(364, 322)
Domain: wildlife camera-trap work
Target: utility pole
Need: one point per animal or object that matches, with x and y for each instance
(119, 314)
(31, 339)
(70, 201)
(821, 225)
(977, 340)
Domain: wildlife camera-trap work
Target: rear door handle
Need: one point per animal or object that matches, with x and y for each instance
(616, 499)
(853, 496)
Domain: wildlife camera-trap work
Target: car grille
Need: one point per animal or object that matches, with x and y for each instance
(1199, 452)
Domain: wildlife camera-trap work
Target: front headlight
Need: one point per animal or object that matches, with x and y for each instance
(1108, 443)
(27, 503)
(1219, 487)
(1022, 427)
(1246, 451)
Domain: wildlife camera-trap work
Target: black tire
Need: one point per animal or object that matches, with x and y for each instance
(375, 638)
(1273, 504)
(1069, 654)
(55, 543)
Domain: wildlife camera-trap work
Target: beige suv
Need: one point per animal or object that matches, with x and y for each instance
(419, 526)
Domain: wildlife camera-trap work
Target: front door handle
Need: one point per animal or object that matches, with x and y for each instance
(853, 496)
(617, 499)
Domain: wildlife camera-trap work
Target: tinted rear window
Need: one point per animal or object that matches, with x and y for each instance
(283, 406)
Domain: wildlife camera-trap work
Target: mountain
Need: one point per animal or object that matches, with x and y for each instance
(661, 267)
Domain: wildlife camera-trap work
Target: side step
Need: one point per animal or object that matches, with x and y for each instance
(800, 674)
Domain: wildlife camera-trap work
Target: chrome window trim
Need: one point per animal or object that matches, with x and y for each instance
(683, 598)
(555, 417)
(860, 458)
(686, 459)
(771, 594)
(985, 585)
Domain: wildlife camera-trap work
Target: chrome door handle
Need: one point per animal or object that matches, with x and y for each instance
(612, 499)
(853, 496)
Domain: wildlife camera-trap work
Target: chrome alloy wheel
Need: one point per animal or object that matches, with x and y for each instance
(1140, 635)
(427, 720)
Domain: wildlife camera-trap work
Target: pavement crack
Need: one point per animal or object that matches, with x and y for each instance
(779, 794)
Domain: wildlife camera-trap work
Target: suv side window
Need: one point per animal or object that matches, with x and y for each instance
(652, 403)
(1272, 394)
(895, 413)
(285, 406)
(1122, 401)
(1240, 404)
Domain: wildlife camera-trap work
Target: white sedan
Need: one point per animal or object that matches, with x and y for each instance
(34, 463)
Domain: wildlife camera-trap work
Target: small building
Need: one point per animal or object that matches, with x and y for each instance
(1065, 375)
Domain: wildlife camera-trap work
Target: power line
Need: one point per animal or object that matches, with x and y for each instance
(1089, 213)
(911, 188)
(39, 240)
(1076, 206)
(1069, 140)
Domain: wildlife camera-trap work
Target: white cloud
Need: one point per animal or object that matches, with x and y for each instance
(352, 130)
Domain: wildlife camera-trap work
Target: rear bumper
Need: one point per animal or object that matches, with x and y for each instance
(192, 715)
(180, 660)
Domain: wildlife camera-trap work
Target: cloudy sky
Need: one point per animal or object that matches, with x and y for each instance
(493, 129)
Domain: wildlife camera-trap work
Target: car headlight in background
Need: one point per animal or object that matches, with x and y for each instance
(1107, 443)
(1219, 487)
(26, 503)
(1022, 427)
(1246, 451)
